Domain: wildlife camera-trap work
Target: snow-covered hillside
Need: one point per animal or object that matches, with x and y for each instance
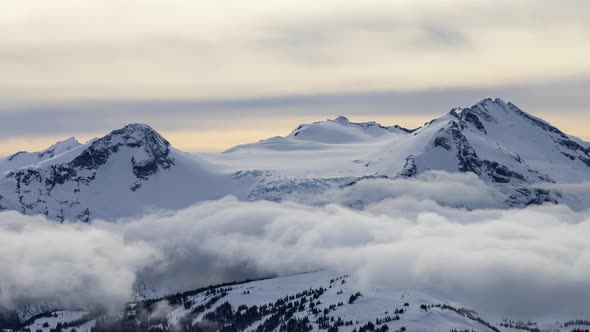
(125, 173)
(493, 139)
(506, 147)
(23, 158)
(323, 300)
(338, 131)
(134, 169)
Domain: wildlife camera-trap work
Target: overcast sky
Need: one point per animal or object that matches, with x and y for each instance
(212, 74)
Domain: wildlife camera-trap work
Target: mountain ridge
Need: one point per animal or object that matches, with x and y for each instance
(109, 173)
(504, 146)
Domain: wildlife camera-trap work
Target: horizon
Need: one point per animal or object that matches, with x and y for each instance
(185, 140)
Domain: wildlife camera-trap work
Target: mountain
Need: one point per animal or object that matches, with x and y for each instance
(323, 300)
(134, 169)
(501, 144)
(125, 173)
(24, 158)
(505, 146)
(321, 133)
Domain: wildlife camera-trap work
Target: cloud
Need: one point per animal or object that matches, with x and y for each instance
(181, 49)
(567, 188)
(442, 36)
(574, 195)
(76, 264)
(509, 262)
(450, 189)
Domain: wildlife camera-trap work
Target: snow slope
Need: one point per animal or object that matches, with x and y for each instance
(80, 321)
(506, 147)
(322, 300)
(491, 130)
(338, 131)
(24, 158)
(125, 173)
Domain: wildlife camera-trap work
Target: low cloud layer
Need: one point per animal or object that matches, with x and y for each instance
(575, 195)
(529, 262)
(448, 189)
(76, 264)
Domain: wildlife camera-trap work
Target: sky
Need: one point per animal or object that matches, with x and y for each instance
(212, 74)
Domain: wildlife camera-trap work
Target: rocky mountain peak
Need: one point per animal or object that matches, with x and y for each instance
(150, 151)
(59, 147)
(487, 102)
(341, 119)
(137, 134)
(136, 150)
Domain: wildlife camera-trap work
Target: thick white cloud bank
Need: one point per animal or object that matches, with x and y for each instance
(82, 264)
(532, 262)
(449, 189)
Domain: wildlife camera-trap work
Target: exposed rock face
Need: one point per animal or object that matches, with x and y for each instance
(464, 127)
(148, 153)
(409, 168)
(139, 136)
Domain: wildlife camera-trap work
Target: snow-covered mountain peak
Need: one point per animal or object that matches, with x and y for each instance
(124, 160)
(487, 109)
(489, 105)
(148, 149)
(61, 146)
(52, 151)
(124, 173)
(502, 113)
(137, 134)
(328, 133)
(499, 142)
(341, 119)
(491, 102)
(342, 130)
(503, 145)
(23, 158)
